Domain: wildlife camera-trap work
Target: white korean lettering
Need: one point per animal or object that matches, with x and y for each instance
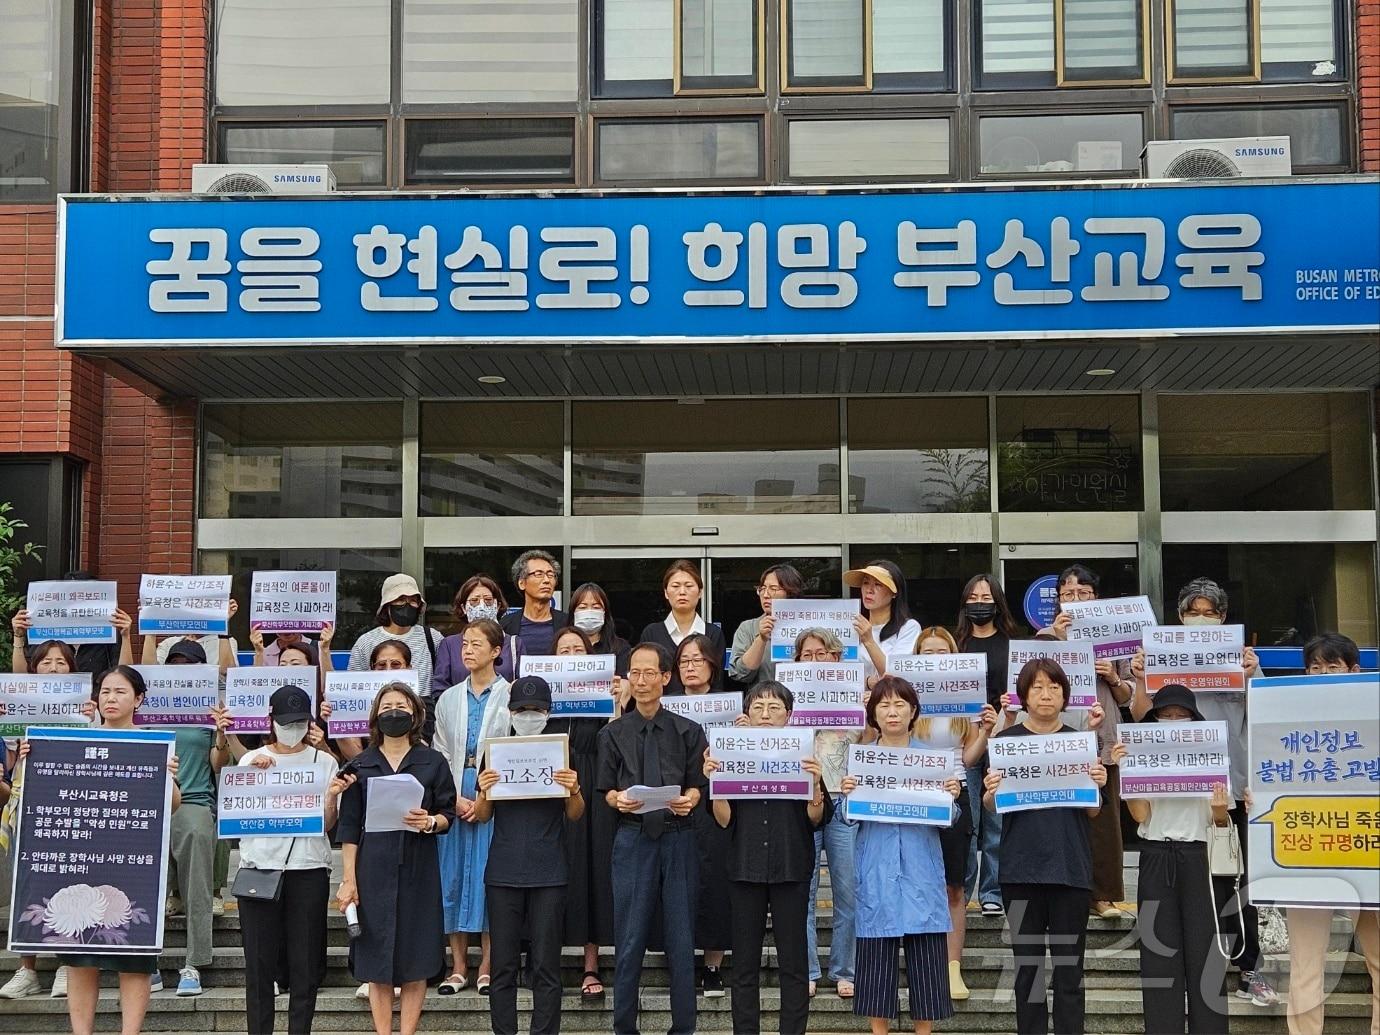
(278, 273)
(698, 246)
(960, 250)
(1126, 285)
(494, 288)
(1062, 248)
(191, 290)
(379, 254)
(1210, 264)
(831, 289)
(583, 256)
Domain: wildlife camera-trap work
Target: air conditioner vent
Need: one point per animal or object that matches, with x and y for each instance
(1200, 164)
(262, 179)
(1217, 159)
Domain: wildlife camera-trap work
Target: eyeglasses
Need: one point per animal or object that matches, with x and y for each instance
(541, 576)
(770, 591)
(763, 708)
(1067, 596)
(691, 662)
(643, 675)
(818, 655)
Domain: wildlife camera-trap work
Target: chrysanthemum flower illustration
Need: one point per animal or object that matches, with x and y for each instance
(74, 909)
(117, 907)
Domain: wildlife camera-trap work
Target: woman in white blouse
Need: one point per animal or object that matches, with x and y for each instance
(884, 625)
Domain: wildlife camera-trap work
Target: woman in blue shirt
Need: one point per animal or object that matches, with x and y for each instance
(900, 890)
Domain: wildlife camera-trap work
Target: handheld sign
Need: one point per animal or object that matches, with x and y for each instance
(280, 801)
(827, 693)
(706, 709)
(74, 612)
(1173, 759)
(791, 617)
(51, 699)
(582, 685)
(945, 684)
(1201, 657)
(179, 695)
(291, 601)
(526, 766)
(184, 605)
(247, 691)
(900, 785)
(351, 696)
(1044, 771)
(761, 762)
(1075, 659)
(1113, 627)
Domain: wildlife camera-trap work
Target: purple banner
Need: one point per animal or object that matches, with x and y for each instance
(847, 718)
(749, 787)
(1147, 785)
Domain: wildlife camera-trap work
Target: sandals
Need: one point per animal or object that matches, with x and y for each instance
(845, 989)
(481, 984)
(814, 987)
(588, 993)
(453, 984)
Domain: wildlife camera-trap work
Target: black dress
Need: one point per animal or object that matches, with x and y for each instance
(588, 842)
(398, 875)
(656, 632)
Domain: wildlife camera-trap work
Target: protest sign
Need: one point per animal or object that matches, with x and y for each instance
(526, 766)
(900, 785)
(291, 601)
(184, 605)
(1314, 765)
(1075, 659)
(706, 709)
(1201, 657)
(1173, 759)
(945, 684)
(827, 693)
(247, 691)
(1112, 626)
(179, 695)
(74, 612)
(1044, 771)
(761, 762)
(792, 616)
(280, 801)
(51, 699)
(90, 871)
(351, 697)
(581, 684)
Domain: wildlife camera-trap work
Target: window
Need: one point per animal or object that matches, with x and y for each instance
(865, 150)
(1048, 144)
(490, 150)
(302, 52)
(679, 151)
(769, 456)
(1253, 40)
(353, 150)
(842, 45)
(660, 48)
(491, 458)
(918, 456)
(30, 116)
(1214, 39)
(719, 45)
(1317, 139)
(1068, 453)
(1289, 451)
(1016, 42)
(1028, 44)
(46, 494)
(473, 51)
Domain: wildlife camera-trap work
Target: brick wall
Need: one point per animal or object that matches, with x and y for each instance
(1368, 82)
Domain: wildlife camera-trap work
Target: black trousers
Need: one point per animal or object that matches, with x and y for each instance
(1178, 962)
(789, 905)
(536, 914)
(1233, 910)
(1053, 917)
(292, 930)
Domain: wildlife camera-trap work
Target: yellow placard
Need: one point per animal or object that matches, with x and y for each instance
(1324, 832)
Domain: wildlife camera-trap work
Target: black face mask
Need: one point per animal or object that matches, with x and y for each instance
(404, 614)
(395, 723)
(980, 614)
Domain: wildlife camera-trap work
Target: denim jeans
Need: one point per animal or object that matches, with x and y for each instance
(986, 838)
(837, 839)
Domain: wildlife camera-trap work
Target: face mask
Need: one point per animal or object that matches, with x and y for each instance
(290, 735)
(589, 619)
(478, 612)
(980, 614)
(1201, 620)
(404, 614)
(528, 724)
(395, 723)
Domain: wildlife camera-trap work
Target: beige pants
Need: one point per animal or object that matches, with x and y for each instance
(1309, 933)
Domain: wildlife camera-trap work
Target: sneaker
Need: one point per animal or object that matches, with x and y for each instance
(958, 990)
(1255, 988)
(993, 909)
(217, 906)
(189, 981)
(174, 906)
(156, 982)
(713, 983)
(362, 992)
(24, 982)
(59, 984)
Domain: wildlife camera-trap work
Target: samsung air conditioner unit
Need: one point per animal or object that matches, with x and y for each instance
(262, 179)
(1217, 159)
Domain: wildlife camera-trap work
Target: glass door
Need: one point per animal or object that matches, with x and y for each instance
(632, 579)
(1030, 572)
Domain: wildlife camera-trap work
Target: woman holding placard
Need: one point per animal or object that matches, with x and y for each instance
(752, 641)
(682, 585)
(884, 626)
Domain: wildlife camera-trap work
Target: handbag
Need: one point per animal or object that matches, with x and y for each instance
(1225, 862)
(1274, 933)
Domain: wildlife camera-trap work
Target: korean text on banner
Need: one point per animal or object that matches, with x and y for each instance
(74, 612)
(582, 685)
(827, 694)
(791, 617)
(706, 709)
(1075, 659)
(184, 605)
(1113, 626)
(1314, 765)
(179, 695)
(292, 601)
(51, 699)
(351, 697)
(90, 873)
(1044, 771)
(1173, 759)
(275, 802)
(761, 762)
(247, 692)
(900, 785)
(945, 684)
(1203, 658)
(526, 766)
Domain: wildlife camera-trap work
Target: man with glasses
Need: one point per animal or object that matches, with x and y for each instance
(536, 574)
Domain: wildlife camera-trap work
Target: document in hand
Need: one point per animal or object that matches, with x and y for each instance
(389, 799)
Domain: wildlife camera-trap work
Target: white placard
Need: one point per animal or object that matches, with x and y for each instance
(761, 762)
(1044, 771)
(945, 684)
(706, 709)
(900, 785)
(247, 691)
(526, 766)
(351, 696)
(1075, 659)
(74, 612)
(184, 605)
(47, 699)
(582, 685)
(291, 601)
(827, 694)
(179, 695)
(792, 616)
(1113, 626)
(1173, 759)
(280, 801)
(1204, 658)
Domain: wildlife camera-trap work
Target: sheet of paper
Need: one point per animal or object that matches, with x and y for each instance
(653, 798)
(390, 798)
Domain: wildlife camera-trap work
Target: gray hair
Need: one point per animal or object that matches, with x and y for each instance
(1208, 590)
(828, 637)
(526, 557)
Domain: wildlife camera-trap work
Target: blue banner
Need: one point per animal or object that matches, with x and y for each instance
(925, 263)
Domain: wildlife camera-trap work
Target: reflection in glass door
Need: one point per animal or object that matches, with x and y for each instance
(1028, 572)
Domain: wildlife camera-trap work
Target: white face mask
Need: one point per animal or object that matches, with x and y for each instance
(1200, 620)
(292, 734)
(588, 619)
(478, 612)
(528, 723)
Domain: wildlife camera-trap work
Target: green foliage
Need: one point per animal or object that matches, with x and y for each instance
(12, 558)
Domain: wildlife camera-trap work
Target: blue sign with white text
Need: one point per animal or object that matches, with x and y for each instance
(924, 263)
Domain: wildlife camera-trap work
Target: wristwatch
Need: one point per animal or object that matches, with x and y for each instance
(431, 825)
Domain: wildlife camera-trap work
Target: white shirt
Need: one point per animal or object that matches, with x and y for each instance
(1177, 819)
(308, 853)
(677, 637)
(902, 643)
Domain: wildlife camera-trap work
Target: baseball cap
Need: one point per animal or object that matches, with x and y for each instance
(189, 649)
(530, 692)
(289, 704)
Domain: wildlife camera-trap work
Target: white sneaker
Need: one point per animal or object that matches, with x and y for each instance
(362, 992)
(59, 984)
(217, 906)
(156, 981)
(24, 982)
